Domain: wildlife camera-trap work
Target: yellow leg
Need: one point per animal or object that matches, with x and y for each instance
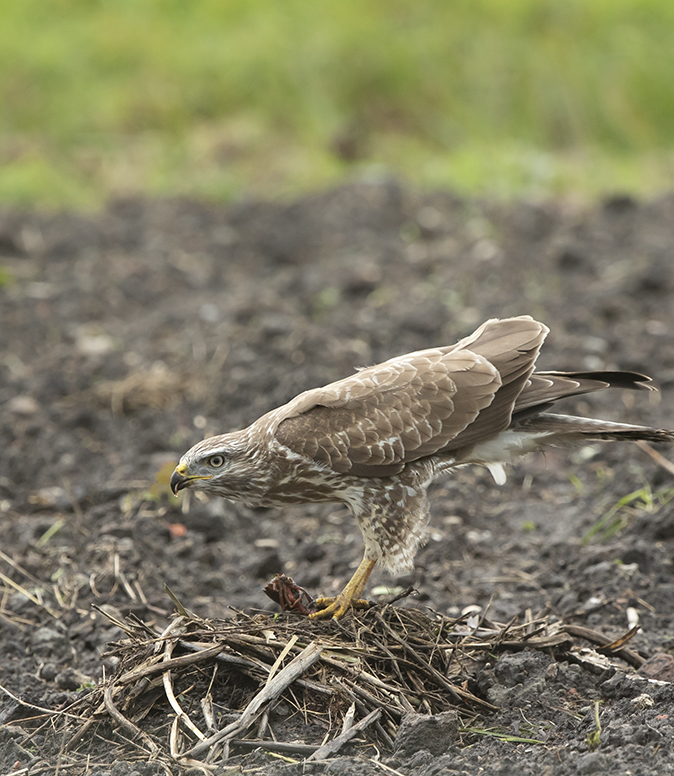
(349, 597)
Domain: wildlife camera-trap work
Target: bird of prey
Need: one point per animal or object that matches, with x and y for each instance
(375, 440)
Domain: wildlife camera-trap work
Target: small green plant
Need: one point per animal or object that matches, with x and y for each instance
(593, 738)
(501, 736)
(625, 509)
(577, 484)
(325, 300)
(53, 529)
(161, 485)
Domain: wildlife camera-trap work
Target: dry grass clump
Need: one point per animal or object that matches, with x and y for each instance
(204, 690)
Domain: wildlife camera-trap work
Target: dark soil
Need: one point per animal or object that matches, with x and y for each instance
(127, 336)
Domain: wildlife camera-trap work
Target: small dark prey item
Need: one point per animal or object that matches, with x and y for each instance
(289, 596)
(375, 441)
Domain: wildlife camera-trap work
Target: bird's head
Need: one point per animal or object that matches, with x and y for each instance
(218, 465)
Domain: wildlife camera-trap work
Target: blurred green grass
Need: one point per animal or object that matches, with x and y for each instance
(221, 97)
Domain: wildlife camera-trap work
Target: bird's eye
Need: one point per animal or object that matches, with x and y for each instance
(216, 461)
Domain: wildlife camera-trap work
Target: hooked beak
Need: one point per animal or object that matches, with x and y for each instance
(180, 479)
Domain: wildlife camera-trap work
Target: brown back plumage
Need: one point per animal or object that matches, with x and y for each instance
(376, 421)
(434, 401)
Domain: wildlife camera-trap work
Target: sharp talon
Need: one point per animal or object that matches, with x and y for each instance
(330, 607)
(336, 608)
(349, 598)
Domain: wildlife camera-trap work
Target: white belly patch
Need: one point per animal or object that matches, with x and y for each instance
(505, 448)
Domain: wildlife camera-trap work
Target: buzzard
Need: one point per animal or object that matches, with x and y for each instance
(375, 440)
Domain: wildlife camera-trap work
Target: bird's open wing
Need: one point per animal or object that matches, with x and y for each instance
(376, 421)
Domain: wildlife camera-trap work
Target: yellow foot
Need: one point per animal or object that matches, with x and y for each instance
(349, 598)
(337, 607)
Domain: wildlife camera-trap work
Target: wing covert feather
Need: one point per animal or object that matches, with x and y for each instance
(431, 401)
(512, 346)
(374, 422)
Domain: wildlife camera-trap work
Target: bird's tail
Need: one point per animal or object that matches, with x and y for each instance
(567, 429)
